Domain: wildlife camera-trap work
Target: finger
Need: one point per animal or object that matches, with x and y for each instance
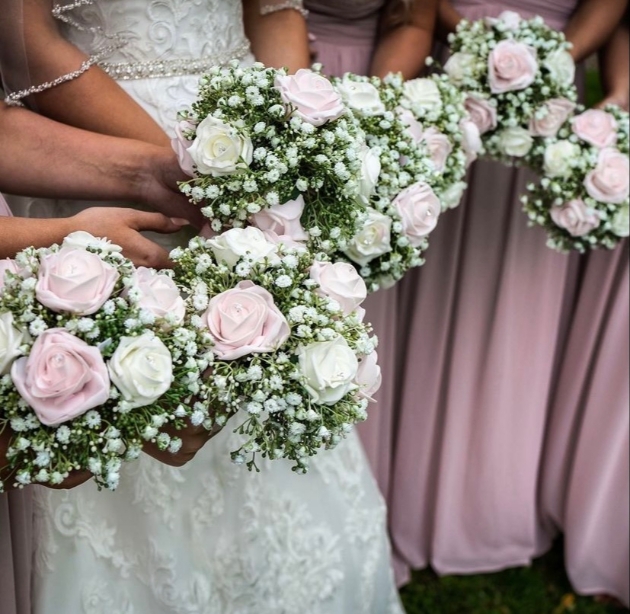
(144, 252)
(156, 222)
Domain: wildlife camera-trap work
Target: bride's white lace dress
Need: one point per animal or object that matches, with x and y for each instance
(210, 538)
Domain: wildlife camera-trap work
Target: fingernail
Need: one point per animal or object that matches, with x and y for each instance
(179, 221)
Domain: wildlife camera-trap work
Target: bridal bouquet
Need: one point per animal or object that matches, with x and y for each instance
(435, 113)
(402, 208)
(257, 137)
(518, 79)
(292, 364)
(582, 199)
(94, 361)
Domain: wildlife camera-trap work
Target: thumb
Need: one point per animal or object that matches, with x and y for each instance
(157, 222)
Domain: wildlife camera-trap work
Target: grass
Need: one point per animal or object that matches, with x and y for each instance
(540, 589)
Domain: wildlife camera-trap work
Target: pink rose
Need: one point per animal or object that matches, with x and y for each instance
(311, 96)
(608, 182)
(369, 377)
(482, 113)
(419, 210)
(511, 66)
(62, 378)
(6, 265)
(181, 145)
(596, 127)
(159, 295)
(575, 217)
(284, 220)
(558, 111)
(75, 281)
(284, 240)
(340, 282)
(439, 147)
(471, 140)
(414, 127)
(245, 320)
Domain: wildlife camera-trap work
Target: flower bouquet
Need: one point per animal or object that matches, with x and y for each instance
(582, 199)
(402, 208)
(293, 364)
(518, 79)
(257, 137)
(94, 361)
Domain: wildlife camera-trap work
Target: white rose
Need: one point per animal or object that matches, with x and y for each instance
(373, 240)
(515, 142)
(329, 369)
(82, 240)
(452, 196)
(142, 369)
(561, 66)
(558, 158)
(11, 338)
(369, 377)
(423, 93)
(509, 19)
(237, 243)
(218, 148)
(471, 140)
(370, 172)
(621, 221)
(361, 96)
(459, 66)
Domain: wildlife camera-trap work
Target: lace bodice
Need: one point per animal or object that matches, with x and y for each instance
(155, 30)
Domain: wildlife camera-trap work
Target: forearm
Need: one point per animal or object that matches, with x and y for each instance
(43, 158)
(404, 50)
(19, 233)
(93, 101)
(279, 39)
(448, 18)
(592, 24)
(615, 67)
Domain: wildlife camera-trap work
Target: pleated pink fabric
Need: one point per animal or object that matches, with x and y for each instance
(483, 320)
(345, 38)
(15, 539)
(585, 481)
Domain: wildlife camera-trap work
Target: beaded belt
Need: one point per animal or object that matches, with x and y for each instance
(125, 71)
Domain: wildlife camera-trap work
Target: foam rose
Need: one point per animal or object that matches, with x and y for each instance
(439, 147)
(471, 140)
(373, 240)
(341, 282)
(369, 376)
(361, 96)
(459, 66)
(419, 211)
(237, 243)
(512, 66)
(424, 94)
(283, 220)
(482, 113)
(609, 182)
(575, 217)
(12, 339)
(181, 146)
(556, 111)
(414, 127)
(596, 127)
(62, 378)
(159, 295)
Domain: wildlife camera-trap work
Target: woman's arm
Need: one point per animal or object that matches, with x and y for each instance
(448, 18)
(92, 101)
(592, 24)
(614, 60)
(405, 46)
(279, 38)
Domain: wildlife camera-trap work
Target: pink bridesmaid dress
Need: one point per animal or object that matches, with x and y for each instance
(345, 40)
(15, 540)
(585, 481)
(483, 320)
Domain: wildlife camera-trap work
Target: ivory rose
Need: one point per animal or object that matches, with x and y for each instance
(512, 66)
(609, 181)
(419, 210)
(373, 240)
(6, 265)
(561, 67)
(553, 115)
(596, 127)
(471, 140)
(311, 96)
(12, 339)
(452, 196)
(515, 142)
(621, 221)
(482, 113)
(238, 243)
(245, 320)
(424, 93)
(329, 369)
(369, 376)
(370, 172)
(509, 20)
(439, 147)
(84, 240)
(341, 282)
(62, 378)
(284, 220)
(75, 281)
(575, 217)
(142, 369)
(414, 127)
(559, 157)
(159, 295)
(181, 146)
(459, 66)
(361, 96)
(219, 149)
